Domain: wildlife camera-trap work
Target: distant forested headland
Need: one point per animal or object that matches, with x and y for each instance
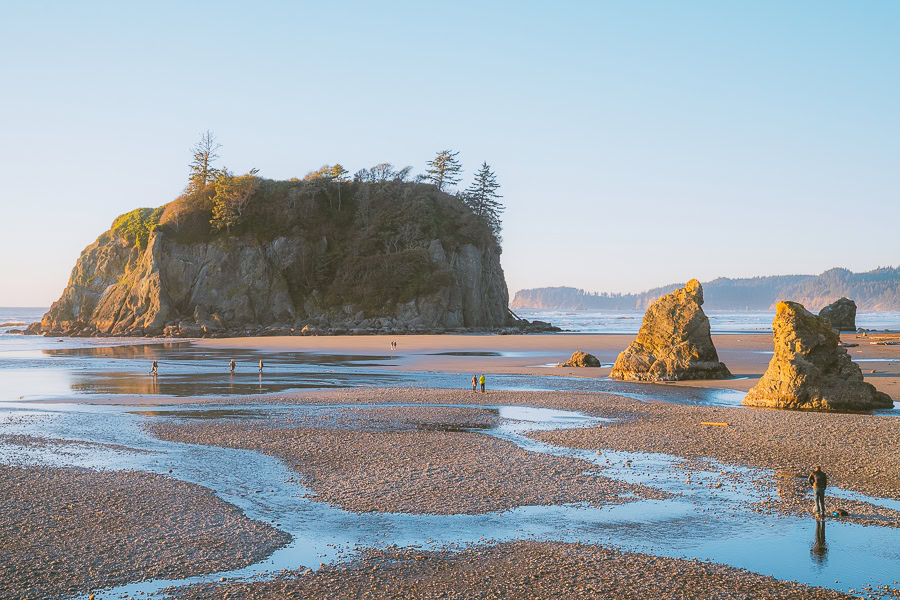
(877, 290)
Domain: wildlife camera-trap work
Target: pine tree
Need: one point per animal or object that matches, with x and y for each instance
(483, 199)
(202, 169)
(444, 170)
(233, 194)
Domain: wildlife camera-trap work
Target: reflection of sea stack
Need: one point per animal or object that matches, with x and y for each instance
(841, 313)
(810, 370)
(673, 342)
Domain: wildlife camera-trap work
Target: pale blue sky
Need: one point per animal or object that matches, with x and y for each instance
(638, 143)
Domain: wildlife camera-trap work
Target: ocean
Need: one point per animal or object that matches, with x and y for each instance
(720, 321)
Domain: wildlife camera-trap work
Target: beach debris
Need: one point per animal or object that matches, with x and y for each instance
(809, 369)
(673, 343)
(582, 359)
(885, 343)
(849, 344)
(713, 424)
(841, 314)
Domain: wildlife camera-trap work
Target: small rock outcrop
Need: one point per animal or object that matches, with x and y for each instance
(673, 343)
(582, 359)
(810, 370)
(841, 313)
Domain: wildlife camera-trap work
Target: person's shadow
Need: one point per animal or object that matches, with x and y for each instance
(819, 549)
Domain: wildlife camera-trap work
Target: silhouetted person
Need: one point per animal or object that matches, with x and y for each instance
(474, 383)
(260, 365)
(819, 548)
(819, 481)
(154, 367)
(232, 364)
(481, 381)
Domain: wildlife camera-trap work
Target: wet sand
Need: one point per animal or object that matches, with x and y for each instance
(859, 452)
(516, 570)
(67, 531)
(746, 355)
(411, 460)
(371, 460)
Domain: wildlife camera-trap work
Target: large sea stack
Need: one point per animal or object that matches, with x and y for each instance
(673, 343)
(311, 256)
(841, 313)
(810, 370)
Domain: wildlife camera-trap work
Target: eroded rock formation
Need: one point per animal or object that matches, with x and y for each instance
(810, 370)
(841, 313)
(399, 258)
(582, 359)
(673, 343)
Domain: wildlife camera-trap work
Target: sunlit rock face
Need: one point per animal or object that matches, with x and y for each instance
(673, 343)
(810, 370)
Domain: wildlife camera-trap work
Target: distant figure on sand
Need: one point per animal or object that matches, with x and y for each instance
(474, 383)
(260, 365)
(819, 481)
(154, 367)
(232, 365)
(481, 381)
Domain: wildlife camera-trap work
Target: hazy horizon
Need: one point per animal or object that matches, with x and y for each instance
(636, 146)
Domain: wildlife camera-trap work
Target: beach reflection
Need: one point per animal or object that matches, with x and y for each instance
(819, 550)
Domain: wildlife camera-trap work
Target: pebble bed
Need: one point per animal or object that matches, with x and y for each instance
(514, 570)
(66, 531)
(417, 460)
(858, 452)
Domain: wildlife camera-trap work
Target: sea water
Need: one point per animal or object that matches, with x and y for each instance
(720, 321)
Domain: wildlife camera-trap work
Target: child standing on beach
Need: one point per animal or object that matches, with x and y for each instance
(474, 383)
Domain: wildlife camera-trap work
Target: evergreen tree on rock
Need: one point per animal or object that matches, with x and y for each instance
(444, 170)
(483, 199)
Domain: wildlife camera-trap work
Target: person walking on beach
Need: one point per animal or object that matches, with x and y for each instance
(232, 364)
(819, 481)
(154, 367)
(260, 365)
(481, 381)
(474, 383)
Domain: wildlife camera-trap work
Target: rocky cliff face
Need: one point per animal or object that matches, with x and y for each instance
(236, 284)
(673, 343)
(810, 370)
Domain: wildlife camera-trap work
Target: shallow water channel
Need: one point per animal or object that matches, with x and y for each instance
(701, 520)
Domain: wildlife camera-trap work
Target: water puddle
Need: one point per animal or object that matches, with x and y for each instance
(709, 517)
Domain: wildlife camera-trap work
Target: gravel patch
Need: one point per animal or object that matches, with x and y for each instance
(859, 452)
(65, 532)
(412, 460)
(516, 570)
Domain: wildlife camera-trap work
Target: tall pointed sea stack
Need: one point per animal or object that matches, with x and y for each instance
(673, 343)
(810, 370)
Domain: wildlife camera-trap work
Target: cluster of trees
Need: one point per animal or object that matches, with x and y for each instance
(444, 172)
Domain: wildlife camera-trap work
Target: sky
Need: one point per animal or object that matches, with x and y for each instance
(637, 143)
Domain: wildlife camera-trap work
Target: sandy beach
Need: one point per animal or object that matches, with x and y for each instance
(407, 452)
(746, 355)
